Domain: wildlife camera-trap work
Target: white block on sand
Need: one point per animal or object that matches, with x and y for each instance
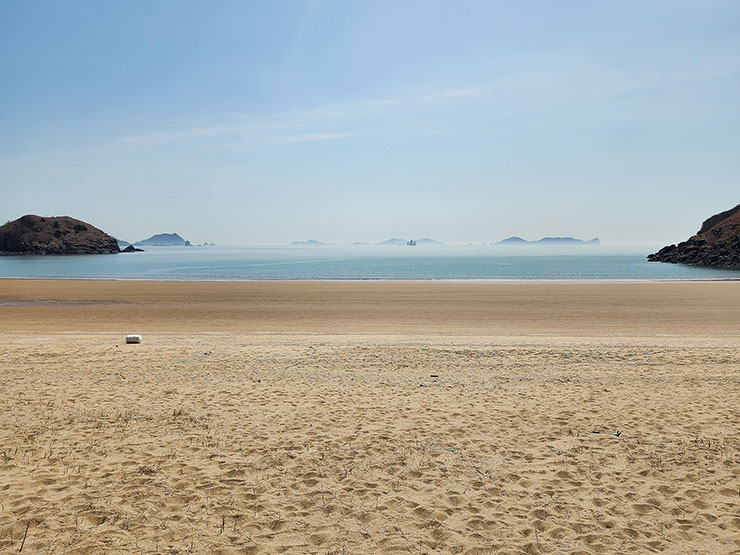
(133, 339)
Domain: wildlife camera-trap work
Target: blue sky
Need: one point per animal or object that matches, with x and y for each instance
(268, 122)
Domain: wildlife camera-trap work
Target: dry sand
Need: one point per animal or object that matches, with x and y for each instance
(369, 417)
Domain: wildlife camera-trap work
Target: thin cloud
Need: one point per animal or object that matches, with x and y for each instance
(178, 136)
(238, 130)
(309, 138)
(266, 131)
(243, 135)
(441, 95)
(523, 91)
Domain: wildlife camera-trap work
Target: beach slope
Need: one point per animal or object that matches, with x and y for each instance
(369, 417)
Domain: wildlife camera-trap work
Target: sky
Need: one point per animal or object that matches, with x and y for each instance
(265, 122)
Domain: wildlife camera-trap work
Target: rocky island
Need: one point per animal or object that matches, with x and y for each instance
(717, 243)
(33, 234)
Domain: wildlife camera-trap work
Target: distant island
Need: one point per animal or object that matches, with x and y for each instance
(717, 243)
(31, 234)
(512, 241)
(163, 240)
(396, 242)
(309, 243)
(393, 241)
(549, 241)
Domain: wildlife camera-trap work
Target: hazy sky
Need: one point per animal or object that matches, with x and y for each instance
(268, 122)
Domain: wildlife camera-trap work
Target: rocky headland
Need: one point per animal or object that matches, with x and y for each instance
(717, 244)
(33, 234)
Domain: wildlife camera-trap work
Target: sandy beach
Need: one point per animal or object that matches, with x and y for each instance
(369, 417)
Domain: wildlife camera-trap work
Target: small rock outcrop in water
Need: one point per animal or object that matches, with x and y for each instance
(131, 248)
(717, 243)
(32, 234)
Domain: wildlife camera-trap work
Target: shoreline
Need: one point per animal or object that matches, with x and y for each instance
(377, 280)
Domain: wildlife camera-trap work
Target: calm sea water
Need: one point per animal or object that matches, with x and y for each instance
(360, 263)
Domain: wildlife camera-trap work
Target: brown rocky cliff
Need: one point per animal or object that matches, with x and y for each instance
(54, 235)
(716, 244)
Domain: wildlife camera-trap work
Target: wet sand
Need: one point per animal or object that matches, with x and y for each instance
(570, 309)
(369, 417)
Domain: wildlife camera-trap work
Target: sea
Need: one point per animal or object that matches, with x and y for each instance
(427, 263)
